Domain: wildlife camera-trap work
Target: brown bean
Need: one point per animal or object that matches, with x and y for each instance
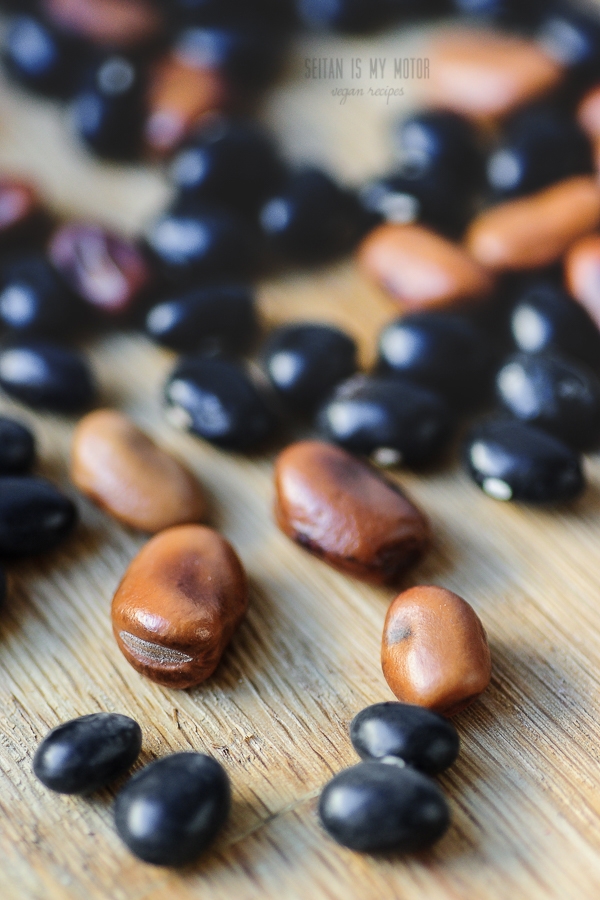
(107, 271)
(115, 464)
(487, 74)
(582, 274)
(588, 112)
(177, 607)
(117, 23)
(19, 202)
(420, 268)
(343, 511)
(181, 96)
(434, 651)
(536, 230)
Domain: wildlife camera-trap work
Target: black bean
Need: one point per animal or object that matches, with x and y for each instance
(34, 300)
(108, 113)
(193, 243)
(394, 420)
(540, 145)
(411, 195)
(552, 393)
(441, 145)
(513, 461)
(172, 810)
(305, 361)
(421, 738)
(249, 53)
(312, 219)
(34, 516)
(47, 376)
(234, 163)
(87, 753)
(444, 352)
(17, 448)
(216, 400)
(345, 15)
(215, 318)
(210, 12)
(41, 58)
(570, 34)
(545, 318)
(378, 806)
(509, 13)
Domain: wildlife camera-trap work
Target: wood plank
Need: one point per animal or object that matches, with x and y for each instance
(525, 793)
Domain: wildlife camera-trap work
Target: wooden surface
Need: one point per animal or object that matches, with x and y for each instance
(525, 793)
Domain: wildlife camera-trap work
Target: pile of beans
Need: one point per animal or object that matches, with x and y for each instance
(485, 234)
(389, 800)
(188, 793)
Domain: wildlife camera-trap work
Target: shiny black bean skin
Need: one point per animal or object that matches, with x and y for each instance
(377, 806)
(570, 34)
(35, 516)
(545, 318)
(393, 420)
(17, 448)
(34, 300)
(191, 244)
(345, 15)
(446, 353)
(172, 810)
(411, 195)
(87, 753)
(47, 376)
(509, 460)
(211, 12)
(312, 220)
(441, 145)
(215, 399)
(41, 58)
(108, 112)
(553, 393)
(510, 13)
(305, 361)
(230, 162)
(540, 145)
(421, 738)
(249, 53)
(207, 319)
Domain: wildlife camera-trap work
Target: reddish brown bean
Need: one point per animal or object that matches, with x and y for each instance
(19, 204)
(434, 651)
(536, 230)
(115, 464)
(177, 607)
(344, 512)
(107, 271)
(487, 73)
(582, 274)
(181, 96)
(588, 112)
(116, 23)
(420, 268)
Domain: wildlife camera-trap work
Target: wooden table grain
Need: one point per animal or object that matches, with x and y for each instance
(525, 792)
